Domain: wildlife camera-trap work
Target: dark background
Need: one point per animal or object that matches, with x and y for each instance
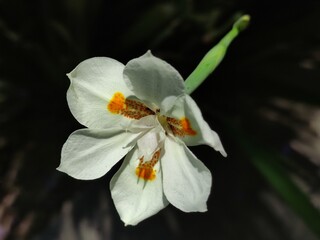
(263, 100)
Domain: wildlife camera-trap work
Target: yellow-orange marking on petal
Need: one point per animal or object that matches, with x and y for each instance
(181, 127)
(128, 107)
(117, 103)
(145, 169)
(186, 127)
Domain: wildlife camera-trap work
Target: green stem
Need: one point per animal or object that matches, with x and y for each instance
(212, 59)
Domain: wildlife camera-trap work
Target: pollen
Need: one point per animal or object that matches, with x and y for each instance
(129, 108)
(181, 127)
(145, 169)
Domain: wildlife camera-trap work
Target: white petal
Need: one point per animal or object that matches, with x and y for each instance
(153, 80)
(136, 199)
(93, 83)
(185, 106)
(143, 124)
(148, 144)
(89, 154)
(186, 180)
(151, 141)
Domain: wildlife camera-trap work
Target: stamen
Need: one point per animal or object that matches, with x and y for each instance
(128, 107)
(181, 127)
(145, 169)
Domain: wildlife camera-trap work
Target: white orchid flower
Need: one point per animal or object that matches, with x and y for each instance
(140, 109)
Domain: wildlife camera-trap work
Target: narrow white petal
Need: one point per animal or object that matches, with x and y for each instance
(153, 80)
(93, 83)
(186, 180)
(141, 125)
(89, 154)
(151, 141)
(185, 106)
(136, 199)
(148, 144)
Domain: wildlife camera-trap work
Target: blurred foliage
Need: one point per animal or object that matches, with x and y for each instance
(263, 100)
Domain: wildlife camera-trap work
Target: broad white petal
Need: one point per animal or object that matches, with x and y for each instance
(186, 180)
(185, 107)
(153, 80)
(93, 83)
(136, 199)
(90, 154)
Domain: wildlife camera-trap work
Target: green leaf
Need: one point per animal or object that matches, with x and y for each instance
(268, 164)
(213, 58)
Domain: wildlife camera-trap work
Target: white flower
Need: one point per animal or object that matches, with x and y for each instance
(140, 109)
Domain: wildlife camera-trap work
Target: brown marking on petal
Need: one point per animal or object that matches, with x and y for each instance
(145, 169)
(181, 127)
(128, 107)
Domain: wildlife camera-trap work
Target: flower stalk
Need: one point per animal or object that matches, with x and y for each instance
(213, 58)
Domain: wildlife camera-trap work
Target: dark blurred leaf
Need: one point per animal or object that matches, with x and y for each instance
(268, 164)
(149, 24)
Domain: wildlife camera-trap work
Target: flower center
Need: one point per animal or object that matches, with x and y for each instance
(134, 109)
(163, 121)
